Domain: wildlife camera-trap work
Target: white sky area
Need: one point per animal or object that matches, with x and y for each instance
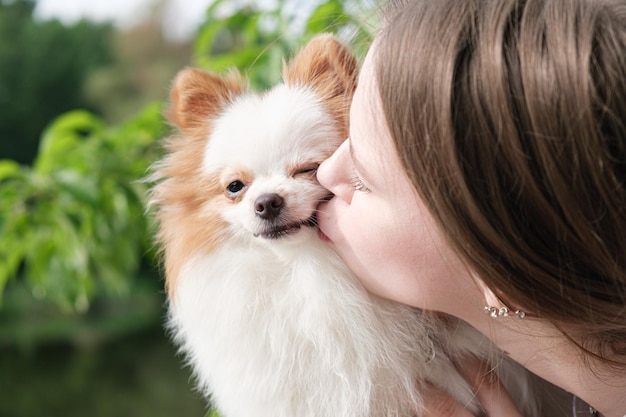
(180, 17)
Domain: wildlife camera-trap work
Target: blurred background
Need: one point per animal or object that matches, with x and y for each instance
(83, 84)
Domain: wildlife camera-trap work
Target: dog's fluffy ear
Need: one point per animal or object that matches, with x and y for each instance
(196, 95)
(326, 65)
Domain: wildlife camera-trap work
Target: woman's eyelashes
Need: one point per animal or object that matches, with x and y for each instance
(357, 184)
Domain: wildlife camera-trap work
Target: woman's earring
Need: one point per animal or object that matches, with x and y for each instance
(496, 312)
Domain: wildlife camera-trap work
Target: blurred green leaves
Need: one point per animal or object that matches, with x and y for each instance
(43, 67)
(74, 223)
(256, 39)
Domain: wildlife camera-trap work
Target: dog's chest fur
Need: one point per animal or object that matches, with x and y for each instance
(297, 338)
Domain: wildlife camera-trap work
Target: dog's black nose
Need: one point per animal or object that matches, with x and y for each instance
(268, 206)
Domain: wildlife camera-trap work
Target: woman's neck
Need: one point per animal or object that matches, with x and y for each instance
(545, 351)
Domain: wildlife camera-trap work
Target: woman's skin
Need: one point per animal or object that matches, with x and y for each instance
(383, 231)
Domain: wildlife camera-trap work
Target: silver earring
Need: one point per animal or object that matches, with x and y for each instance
(496, 312)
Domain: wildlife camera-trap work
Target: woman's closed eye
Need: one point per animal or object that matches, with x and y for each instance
(358, 184)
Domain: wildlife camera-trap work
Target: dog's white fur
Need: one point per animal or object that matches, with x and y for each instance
(272, 321)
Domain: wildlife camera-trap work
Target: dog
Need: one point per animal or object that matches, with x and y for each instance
(270, 319)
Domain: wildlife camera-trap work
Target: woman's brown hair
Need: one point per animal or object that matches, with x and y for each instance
(510, 118)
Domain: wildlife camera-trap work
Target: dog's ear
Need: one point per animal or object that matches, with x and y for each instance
(326, 65)
(196, 95)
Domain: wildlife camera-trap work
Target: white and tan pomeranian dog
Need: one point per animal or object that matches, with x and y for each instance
(271, 320)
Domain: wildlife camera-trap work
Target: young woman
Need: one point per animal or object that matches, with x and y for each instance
(486, 170)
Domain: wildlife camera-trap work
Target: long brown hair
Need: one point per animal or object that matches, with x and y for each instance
(510, 118)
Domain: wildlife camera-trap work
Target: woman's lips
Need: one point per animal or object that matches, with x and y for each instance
(321, 219)
(322, 236)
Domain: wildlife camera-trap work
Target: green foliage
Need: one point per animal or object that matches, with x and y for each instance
(75, 221)
(256, 40)
(144, 63)
(43, 66)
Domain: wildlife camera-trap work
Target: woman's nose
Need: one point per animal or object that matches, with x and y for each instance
(333, 173)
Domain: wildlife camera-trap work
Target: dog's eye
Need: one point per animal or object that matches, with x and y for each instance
(308, 170)
(235, 187)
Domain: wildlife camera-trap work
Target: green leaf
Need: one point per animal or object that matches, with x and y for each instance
(81, 188)
(328, 17)
(241, 59)
(63, 137)
(9, 169)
